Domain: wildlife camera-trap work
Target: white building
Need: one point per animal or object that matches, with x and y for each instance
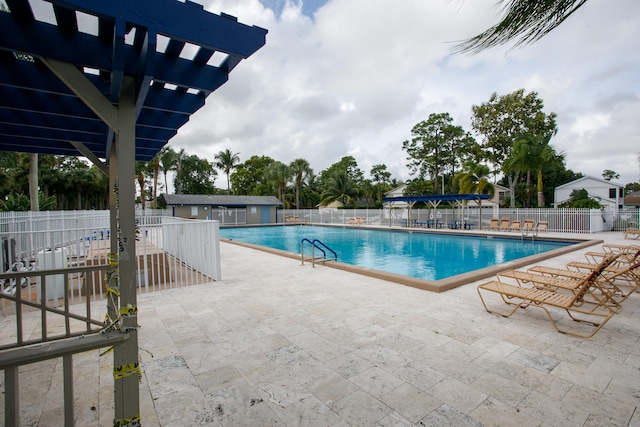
(608, 193)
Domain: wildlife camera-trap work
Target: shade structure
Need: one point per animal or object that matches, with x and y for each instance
(58, 57)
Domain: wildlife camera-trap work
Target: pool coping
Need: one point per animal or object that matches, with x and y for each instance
(441, 285)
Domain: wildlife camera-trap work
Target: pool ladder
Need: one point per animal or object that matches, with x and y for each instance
(317, 244)
(533, 232)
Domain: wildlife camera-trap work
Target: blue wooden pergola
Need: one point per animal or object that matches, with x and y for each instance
(433, 200)
(111, 81)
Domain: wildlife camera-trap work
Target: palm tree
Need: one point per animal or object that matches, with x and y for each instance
(525, 20)
(141, 168)
(227, 161)
(339, 186)
(279, 173)
(180, 157)
(168, 162)
(301, 170)
(33, 181)
(474, 179)
(532, 153)
(154, 164)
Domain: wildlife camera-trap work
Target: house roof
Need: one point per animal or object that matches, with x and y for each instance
(227, 201)
(176, 54)
(632, 198)
(592, 178)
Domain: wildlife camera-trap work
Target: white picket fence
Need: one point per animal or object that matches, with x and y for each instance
(559, 220)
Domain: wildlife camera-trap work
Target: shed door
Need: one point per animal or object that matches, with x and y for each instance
(265, 215)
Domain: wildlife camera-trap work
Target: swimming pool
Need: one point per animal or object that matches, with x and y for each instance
(424, 256)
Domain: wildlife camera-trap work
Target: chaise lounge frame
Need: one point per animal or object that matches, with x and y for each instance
(523, 297)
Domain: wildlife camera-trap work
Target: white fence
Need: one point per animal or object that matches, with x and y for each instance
(171, 252)
(559, 220)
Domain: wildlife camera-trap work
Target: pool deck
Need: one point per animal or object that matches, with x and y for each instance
(276, 343)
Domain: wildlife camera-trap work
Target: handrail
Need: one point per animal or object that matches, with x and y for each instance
(316, 244)
(335, 255)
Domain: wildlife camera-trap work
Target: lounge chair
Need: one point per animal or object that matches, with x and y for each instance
(528, 225)
(599, 306)
(515, 225)
(632, 232)
(357, 220)
(504, 224)
(611, 247)
(494, 224)
(542, 226)
(621, 282)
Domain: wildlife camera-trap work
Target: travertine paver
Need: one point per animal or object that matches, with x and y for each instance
(280, 344)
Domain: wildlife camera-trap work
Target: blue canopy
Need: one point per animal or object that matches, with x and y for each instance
(437, 198)
(56, 60)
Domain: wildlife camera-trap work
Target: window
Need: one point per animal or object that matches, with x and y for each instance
(612, 193)
(620, 192)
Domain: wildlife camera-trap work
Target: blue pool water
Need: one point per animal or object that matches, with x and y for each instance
(427, 256)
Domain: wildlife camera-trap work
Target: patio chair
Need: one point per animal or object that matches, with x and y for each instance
(504, 224)
(515, 225)
(632, 232)
(494, 224)
(599, 306)
(611, 247)
(528, 225)
(542, 226)
(621, 282)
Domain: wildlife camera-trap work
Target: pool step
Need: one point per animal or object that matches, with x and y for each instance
(317, 259)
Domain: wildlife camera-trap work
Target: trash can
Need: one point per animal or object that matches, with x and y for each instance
(49, 260)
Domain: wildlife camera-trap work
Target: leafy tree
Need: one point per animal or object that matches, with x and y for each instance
(555, 173)
(523, 20)
(381, 179)
(608, 175)
(196, 176)
(502, 120)
(250, 178)
(347, 164)
(79, 180)
(21, 203)
(301, 170)
(436, 143)
(631, 187)
(581, 199)
(227, 161)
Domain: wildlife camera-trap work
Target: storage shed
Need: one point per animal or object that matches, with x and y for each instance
(229, 210)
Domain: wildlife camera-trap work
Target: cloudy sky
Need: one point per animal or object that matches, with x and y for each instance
(352, 77)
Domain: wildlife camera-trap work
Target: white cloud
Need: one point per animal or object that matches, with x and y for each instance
(358, 76)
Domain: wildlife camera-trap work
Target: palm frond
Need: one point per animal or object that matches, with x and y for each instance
(525, 21)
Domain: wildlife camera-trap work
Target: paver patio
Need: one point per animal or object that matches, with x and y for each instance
(280, 344)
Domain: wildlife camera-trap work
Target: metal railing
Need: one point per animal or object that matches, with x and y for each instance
(53, 290)
(563, 220)
(171, 252)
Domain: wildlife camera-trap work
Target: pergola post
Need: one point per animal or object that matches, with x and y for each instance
(125, 361)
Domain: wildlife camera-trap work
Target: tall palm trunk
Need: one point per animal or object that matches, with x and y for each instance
(33, 181)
